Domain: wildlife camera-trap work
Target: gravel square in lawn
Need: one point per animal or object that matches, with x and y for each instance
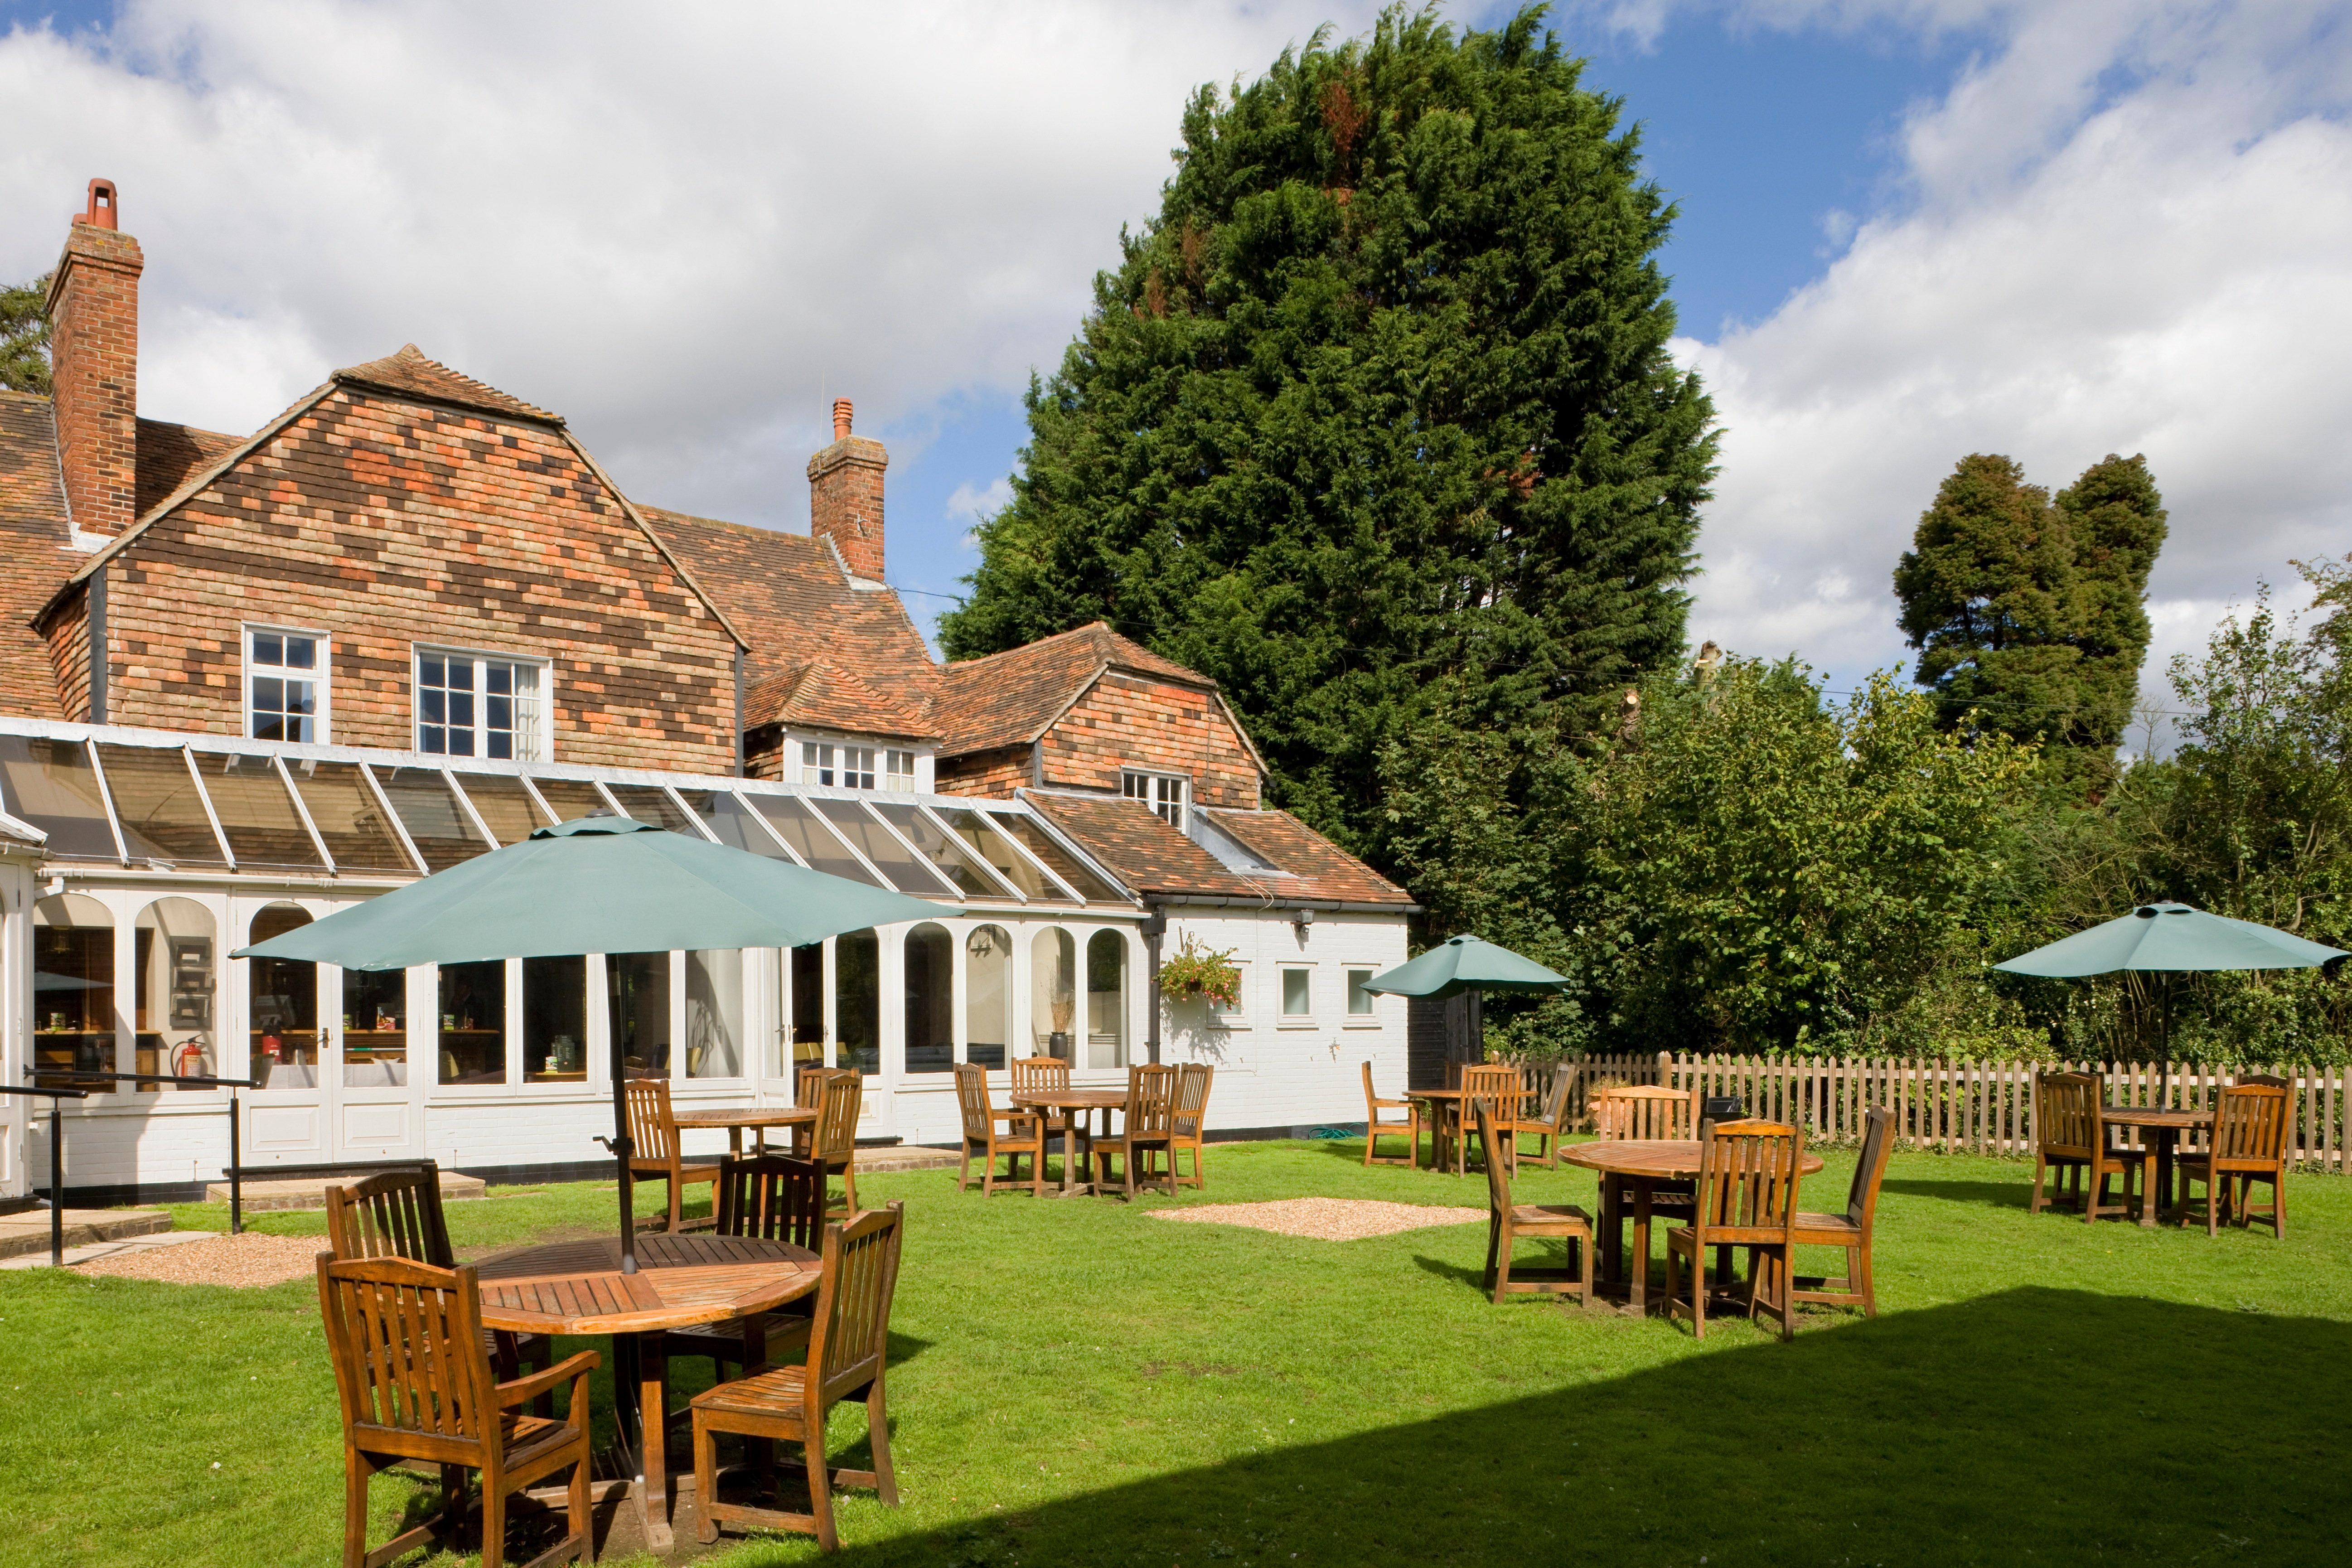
(247, 1260)
(1326, 1220)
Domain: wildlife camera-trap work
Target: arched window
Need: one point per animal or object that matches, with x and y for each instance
(857, 1001)
(173, 1029)
(1054, 992)
(931, 999)
(1107, 1000)
(714, 1014)
(987, 996)
(282, 1007)
(73, 984)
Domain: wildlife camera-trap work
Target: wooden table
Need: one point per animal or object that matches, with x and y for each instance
(761, 1116)
(1078, 1142)
(1637, 1165)
(2168, 1124)
(576, 1288)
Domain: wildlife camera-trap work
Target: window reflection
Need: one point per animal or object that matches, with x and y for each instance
(1106, 1000)
(988, 995)
(73, 985)
(51, 785)
(714, 1014)
(857, 1001)
(282, 1007)
(172, 958)
(931, 999)
(637, 992)
(1054, 992)
(555, 1020)
(375, 1028)
(806, 976)
(474, 1022)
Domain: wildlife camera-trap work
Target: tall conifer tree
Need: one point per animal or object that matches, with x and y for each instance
(1381, 402)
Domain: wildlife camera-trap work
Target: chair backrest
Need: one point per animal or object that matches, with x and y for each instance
(2266, 1081)
(2250, 1125)
(1498, 1175)
(775, 1198)
(406, 1340)
(1748, 1181)
(1040, 1072)
(1556, 1098)
(1878, 1143)
(1645, 1111)
(395, 1215)
(2066, 1113)
(653, 1131)
(971, 1098)
(836, 1114)
(1192, 1098)
(1150, 1101)
(850, 1339)
(1494, 1085)
(1372, 1095)
(808, 1085)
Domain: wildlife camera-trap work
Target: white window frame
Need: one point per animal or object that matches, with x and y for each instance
(323, 711)
(1369, 1019)
(1152, 790)
(1283, 1019)
(896, 779)
(544, 752)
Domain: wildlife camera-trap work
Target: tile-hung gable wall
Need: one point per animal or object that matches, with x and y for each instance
(1124, 721)
(389, 523)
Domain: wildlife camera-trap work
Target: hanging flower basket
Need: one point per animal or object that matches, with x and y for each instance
(1193, 970)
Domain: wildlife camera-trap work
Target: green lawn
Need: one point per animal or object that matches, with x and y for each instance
(1077, 1383)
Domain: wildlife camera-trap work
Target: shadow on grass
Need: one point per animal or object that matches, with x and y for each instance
(2032, 1425)
(1992, 1194)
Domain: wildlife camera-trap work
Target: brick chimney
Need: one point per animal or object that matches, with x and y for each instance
(94, 365)
(845, 496)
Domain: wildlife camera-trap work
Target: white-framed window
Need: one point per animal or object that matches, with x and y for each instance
(852, 767)
(1238, 1016)
(1296, 1003)
(1360, 1001)
(1167, 794)
(481, 705)
(285, 683)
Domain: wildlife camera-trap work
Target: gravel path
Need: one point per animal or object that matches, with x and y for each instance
(1326, 1219)
(245, 1260)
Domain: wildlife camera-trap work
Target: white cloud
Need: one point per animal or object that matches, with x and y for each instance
(2128, 230)
(686, 228)
(972, 507)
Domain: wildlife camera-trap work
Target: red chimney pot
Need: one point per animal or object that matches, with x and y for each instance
(840, 417)
(101, 212)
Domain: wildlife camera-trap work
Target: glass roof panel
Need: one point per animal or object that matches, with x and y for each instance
(51, 785)
(437, 824)
(947, 855)
(1064, 865)
(161, 814)
(646, 804)
(344, 811)
(811, 839)
(896, 860)
(571, 798)
(970, 827)
(725, 814)
(255, 812)
(506, 807)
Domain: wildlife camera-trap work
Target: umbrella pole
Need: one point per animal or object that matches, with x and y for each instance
(621, 1153)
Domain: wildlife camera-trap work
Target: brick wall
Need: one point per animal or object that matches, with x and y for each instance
(763, 752)
(1126, 721)
(846, 501)
(69, 635)
(995, 775)
(94, 359)
(387, 522)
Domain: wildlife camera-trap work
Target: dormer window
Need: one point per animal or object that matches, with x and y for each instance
(854, 767)
(285, 683)
(1167, 794)
(481, 705)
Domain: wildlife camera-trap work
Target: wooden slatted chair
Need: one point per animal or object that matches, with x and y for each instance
(1507, 1223)
(1023, 1134)
(1193, 1081)
(2248, 1145)
(1497, 1087)
(847, 1357)
(653, 1153)
(1537, 1136)
(1644, 1110)
(1851, 1230)
(416, 1385)
(775, 1198)
(1049, 1074)
(1148, 1127)
(1375, 1129)
(398, 1214)
(834, 1144)
(2070, 1132)
(1747, 1197)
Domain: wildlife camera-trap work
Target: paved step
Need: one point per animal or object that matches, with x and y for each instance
(91, 1251)
(311, 1192)
(902, 1157)
(29, 1232)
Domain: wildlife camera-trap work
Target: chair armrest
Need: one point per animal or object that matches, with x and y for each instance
(579, 1364)
(1017, 1116)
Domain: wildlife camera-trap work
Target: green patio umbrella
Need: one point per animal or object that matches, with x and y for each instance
(1470, 963)
(600, 884)
(2169, 937)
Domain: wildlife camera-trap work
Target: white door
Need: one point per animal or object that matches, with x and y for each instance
(335, 1086)
(277, 1008)
(373, 1098)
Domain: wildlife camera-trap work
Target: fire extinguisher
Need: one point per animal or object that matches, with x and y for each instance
(189, 1060)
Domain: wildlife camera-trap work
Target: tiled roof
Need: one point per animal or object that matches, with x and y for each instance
(170, 456)
(34, 555)
(1010, 698)
(818, 645)
(410, 372)
(1140, 848)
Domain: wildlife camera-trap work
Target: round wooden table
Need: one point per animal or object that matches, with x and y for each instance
(1635, 1166)
(576, 1288)
(1077, 1140)
(2168, 1124)
(735, 1121)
